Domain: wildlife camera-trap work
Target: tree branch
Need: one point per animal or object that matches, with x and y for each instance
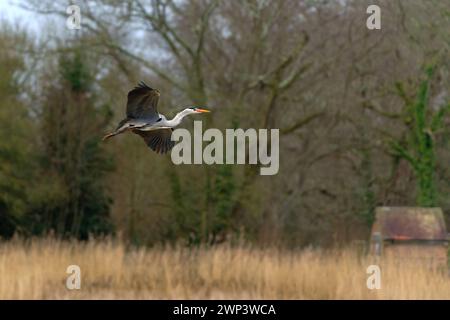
(302, 122)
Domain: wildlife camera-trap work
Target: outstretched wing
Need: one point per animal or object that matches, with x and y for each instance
(142, 103)
(158, 140)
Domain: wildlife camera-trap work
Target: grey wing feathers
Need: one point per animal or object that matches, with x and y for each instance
(142, 103)
(158, 140)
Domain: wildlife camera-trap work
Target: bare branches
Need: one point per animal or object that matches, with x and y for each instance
(402, 152)
(438, 119)
(302, 122)
(373, 106)
(204, 26)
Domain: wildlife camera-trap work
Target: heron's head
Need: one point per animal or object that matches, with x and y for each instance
(192, 110)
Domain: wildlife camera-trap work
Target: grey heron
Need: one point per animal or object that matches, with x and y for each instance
(143, 119)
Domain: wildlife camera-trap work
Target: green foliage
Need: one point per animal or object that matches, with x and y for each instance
(75, 71)
(180, 211)
(368, 194)
(420, 149)
(202, 221)
(16, 131)
(223, 198)
(72, 158)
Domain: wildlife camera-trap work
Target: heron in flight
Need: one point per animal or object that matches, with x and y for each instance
(143, 119)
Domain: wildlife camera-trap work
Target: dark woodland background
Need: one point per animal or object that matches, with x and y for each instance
(363, 117)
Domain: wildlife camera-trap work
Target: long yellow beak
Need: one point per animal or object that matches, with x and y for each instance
(201, 110)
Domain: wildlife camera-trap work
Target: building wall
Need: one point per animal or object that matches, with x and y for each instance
(430, 255)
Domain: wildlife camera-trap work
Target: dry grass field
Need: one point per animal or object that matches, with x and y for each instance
(37, 270)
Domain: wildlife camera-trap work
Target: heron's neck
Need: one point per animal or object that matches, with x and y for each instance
(177, 119)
